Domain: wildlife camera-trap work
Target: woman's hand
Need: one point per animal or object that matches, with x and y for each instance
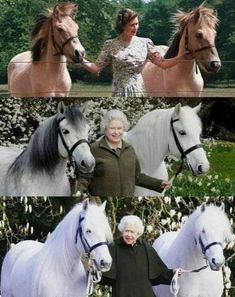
(155, 57)
(179, 271)
(166, 184)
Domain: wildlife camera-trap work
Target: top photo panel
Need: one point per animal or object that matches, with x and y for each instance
(123, 48)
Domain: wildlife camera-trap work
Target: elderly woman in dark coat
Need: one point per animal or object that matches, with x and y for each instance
(117, 168)
(136, 266)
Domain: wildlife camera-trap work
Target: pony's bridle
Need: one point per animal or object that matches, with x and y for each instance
(193, 52)
(60, 48)
(184, 162)
(71, 150)
(205, 248)
(87, 247)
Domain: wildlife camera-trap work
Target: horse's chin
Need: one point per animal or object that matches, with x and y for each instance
(215, 268)
(75, 59)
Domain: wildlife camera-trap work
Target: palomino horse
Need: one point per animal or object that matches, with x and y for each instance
(39, 170)
(198, 243)
(173, 131)
(34, 269)
(194, 34)
(42, 72)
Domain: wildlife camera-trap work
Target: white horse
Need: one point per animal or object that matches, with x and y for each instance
(200, 241)
(34, 269)
(174, 131)
(39, 170)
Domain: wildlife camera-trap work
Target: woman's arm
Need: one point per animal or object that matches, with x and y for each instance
(158, 60)
(91, 67)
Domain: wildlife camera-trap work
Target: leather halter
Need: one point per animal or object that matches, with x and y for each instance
(71, 150)
(205, 248)
(193, 52)
(87, 248)
(184, 163)
(58, 47)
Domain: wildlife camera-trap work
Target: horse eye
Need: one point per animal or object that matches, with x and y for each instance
(65, 131)
(60, 30)
(182, 132)
(88, 231)
(199, 34)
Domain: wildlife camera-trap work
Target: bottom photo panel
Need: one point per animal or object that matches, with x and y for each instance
(119, 247)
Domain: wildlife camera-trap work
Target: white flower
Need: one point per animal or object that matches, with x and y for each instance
(172, 212)
(149, 228)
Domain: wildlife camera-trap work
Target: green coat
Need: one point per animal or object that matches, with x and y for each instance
(116, 172)
(135, 269)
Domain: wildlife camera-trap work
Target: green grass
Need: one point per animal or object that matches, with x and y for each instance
(220, 180)
(82, 89)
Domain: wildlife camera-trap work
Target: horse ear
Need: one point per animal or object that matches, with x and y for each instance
(196, 15)
(84, 107)
(74, 11)
(203, 207)
(103, 205)
(85, 204)
(177, 109)
(61, 108)
(56, 13)
(197, 108)
(222, 207)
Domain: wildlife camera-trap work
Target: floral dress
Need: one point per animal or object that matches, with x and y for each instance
(127, 60)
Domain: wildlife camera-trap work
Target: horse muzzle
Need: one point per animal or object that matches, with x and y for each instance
(211, 67)
(103, 265)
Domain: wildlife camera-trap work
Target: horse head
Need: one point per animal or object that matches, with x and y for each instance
(73, 137)
(213, 232)
(195, 34)
(200, 33)
(185, 141)
(93, 234)
(64, 32)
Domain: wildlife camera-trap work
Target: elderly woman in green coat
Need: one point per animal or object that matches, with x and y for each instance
(117, 168)
(136, 266)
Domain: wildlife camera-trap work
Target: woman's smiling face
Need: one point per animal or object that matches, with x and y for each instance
(114, 132)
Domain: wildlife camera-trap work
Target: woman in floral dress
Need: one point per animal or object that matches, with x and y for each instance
(128, 54)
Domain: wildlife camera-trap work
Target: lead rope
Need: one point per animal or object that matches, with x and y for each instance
(93, 275)
(174, 176)
(174, 286)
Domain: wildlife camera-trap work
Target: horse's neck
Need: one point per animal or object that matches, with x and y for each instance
(61, 245)
(187, 65)
(52, 57)
(150, 138)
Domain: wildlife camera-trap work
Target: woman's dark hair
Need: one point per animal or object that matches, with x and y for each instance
(124, 16)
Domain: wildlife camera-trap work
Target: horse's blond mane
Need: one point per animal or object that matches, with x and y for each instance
(181, 19)
(200, 14)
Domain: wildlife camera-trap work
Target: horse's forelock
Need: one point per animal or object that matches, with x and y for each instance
(97, 215)
(44, 146)
(190, 120)
(74, 116)
(214, 217)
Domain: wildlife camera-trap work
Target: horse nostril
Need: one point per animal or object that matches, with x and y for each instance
(200, 169)
(102, 263)
(76, 53)
(83, 164)
(213, 261)
(215, 65)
